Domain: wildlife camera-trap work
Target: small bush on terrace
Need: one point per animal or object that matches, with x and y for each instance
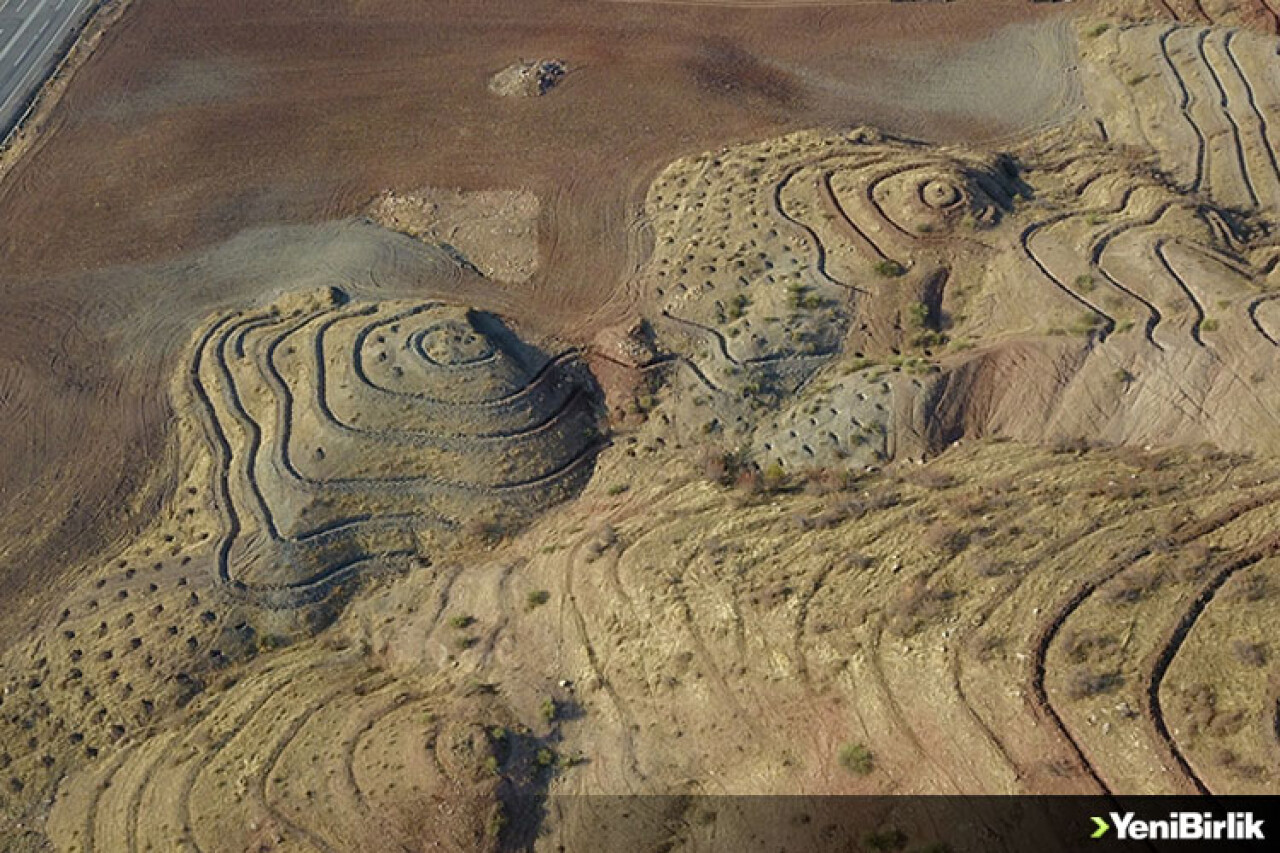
(856, 758)
(890, 269)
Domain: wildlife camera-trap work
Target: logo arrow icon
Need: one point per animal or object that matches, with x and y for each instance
(1102, 827)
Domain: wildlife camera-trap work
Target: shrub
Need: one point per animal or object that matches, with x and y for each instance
(824, 481)
(1086, 324)
(720, 466)
(919, 604)
(536, 598)
(1133, 587)
(1209, 324)
(496, 823)
(1069, 444)
(774, 478)
(1081, 646)
(856, 758)
(890, 269)
(1086, 683)
(603, 538)
(918, 315)
(749, 481)
(891, 838)
(549, 711)
(928, 477)
(929, 339)
(567, 761)
(461, 621)
(1253, 588)
(971, 504)
(482, 532)
(1250, 654)
(945, 538)
(882, 499)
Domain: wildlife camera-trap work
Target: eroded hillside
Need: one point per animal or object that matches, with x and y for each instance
(885, 466)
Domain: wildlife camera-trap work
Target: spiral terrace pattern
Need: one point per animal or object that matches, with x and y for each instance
(768, 252)
(347, 434)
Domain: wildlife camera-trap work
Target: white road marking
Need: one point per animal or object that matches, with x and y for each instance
(37, 42)
(26, 23)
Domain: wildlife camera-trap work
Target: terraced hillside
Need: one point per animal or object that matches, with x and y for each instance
(1202, 99)
(352, 433)
(951, 623)
(327, 442)
(1062, 288)
(879, 466)
(1259, 15)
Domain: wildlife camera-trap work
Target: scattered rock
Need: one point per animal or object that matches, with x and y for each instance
(527, 78)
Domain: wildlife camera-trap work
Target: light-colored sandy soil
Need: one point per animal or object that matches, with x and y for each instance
(495, 231)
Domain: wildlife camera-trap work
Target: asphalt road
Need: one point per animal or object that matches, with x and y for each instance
(31, 33)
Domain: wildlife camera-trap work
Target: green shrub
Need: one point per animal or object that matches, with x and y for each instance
(891, 838)
(890, 269)
(918, 315)
(496, 823)
(774, 478)
(856, 758)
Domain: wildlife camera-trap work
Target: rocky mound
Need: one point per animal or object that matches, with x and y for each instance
(493, 231)
(527, 78)
(346, 434)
